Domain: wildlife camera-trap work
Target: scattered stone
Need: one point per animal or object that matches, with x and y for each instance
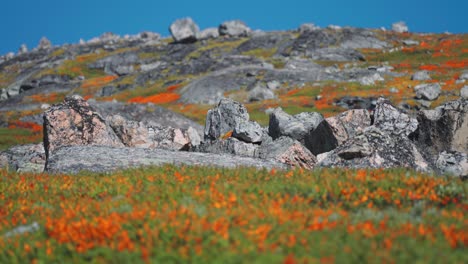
(400, 27)
(44, 44)
(453, 163)
(307, 27)
(19, 230)
(421, 76)
(371, 79)
(224, 118)
(410, 42)
(273, 85)
(23, 49)
(122, 70)
(444, 128)
(209, 33)
(184, 30)
(463, 76)
(356, 102)
(427, 91)
(74, 122)
(105, 159)
(347, 124)
(310, 129)
(288, 151)
(260, 93)
(464, 92)
(391, 120)
(147, 35)
(234, 28)
(394, 90)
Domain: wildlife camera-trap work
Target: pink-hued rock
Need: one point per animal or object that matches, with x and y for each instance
(288, 151)
(74, 123)
(347, 124)
(140, 135)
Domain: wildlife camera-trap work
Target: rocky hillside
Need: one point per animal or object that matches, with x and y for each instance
(140, 93)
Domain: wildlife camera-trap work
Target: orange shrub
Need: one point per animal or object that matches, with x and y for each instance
(98, 81)
(161, 98)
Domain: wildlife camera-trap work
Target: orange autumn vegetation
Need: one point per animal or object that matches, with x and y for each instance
(98, 81)
(33, 127)
(161, 98)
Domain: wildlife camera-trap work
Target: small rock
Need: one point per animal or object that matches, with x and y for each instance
(463, 76)
(370, 79)
(273, 85)
(453, 163)
(400, 27)
(234, 28)
(250, 132)
(420, 76)
(260, 93)
(464, 92)
(410, 42)
(394, 90)
(147, 35)
(34, 227)
(307, 27)
(428, 91)
(23, 49)
(184, 30)
(209, 33)
(44, 44)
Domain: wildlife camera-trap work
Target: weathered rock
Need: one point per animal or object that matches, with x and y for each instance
(209, 33)
(260, 93)
(310, 129)
(121, 70)
(229, 146)
(74, 122)
(400, 27)
(347, 124)
(427, 91)
(224, 118)
(307, 27)
(184, 30)
(118, 63)
(22, 229)
(444, 129)
(250, 132)
(336, 54)
(24, 158)
(370, 79)
(141, 135)
(464, 92)
(44, 44)
(288, 151)
(393, 121)
(410, 42)
(234, 28)
(420, 76)
(374, 148)
(105, 159)
(463, 76)
(22, 49)
(453, 163)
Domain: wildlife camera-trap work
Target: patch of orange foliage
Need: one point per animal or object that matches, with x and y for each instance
(98, 81)
(161, 98)
(36, 128)
(45, 98)
(172, 88)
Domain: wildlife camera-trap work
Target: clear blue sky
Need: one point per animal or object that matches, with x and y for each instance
(66, 21)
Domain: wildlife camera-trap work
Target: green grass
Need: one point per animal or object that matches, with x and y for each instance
(16, 136)
(206, 215)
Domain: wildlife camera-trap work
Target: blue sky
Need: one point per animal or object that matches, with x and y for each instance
(66, 21)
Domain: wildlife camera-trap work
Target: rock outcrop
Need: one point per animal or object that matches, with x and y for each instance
(393, 121)
(348, 123)
(24, 158)
(75, 123)
(184, 30)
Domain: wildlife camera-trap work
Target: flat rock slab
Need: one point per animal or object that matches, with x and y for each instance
(74, 159)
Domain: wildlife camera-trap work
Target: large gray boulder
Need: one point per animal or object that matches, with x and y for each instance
(104, 159)
(234, 28)
(184, 30)
(375, 148)
(288, 151)
(444, 128)
(224, 118)
(310, 129)
(250, 132)
(393, 121)
(348, 123)
(74, 122)
(141, 135)
(427, 91)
